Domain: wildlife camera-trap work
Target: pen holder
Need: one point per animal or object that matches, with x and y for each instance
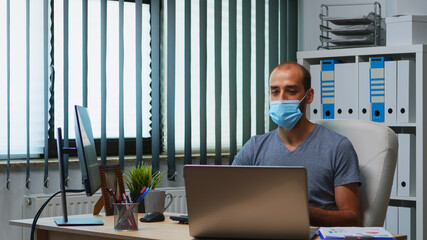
(126, 216)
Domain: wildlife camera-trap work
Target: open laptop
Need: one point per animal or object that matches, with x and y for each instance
(247, 202)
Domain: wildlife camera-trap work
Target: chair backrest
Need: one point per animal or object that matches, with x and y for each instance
(376, 146)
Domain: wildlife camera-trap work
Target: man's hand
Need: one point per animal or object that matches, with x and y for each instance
(347, 198)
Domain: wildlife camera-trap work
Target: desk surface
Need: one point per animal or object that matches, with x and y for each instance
(47, 229)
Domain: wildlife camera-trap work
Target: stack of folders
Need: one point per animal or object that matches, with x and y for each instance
(402, 219)
(337, 233)
(379, 90)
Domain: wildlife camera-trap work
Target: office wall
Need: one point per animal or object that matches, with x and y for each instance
(309, 10)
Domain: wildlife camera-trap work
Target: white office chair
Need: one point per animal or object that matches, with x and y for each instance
(376, 146)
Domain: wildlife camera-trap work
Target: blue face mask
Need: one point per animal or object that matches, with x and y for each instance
(286, 113)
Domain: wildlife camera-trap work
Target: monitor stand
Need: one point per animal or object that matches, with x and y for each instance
(65, 221)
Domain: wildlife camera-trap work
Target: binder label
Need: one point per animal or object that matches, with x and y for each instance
(327, 91)
(377, 88)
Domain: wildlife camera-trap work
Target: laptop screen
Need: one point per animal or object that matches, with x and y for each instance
(247, 202)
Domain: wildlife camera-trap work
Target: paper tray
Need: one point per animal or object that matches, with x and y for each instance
(369, 40)
(351, 30)
(351, 21)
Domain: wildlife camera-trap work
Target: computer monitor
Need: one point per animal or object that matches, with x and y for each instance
(91, 179)
(85, 145)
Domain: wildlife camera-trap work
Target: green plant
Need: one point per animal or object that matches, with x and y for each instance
(138, 177)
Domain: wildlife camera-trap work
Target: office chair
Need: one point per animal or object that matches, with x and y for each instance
(376, 146)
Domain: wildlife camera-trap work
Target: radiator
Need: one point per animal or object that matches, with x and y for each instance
(79, 203)
(179, 203)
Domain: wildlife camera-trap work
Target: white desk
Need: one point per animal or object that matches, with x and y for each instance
(47, 229)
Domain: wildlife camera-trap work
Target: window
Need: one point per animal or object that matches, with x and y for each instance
(26, 79)
(25, 104)
(75, 70)
(195, 73)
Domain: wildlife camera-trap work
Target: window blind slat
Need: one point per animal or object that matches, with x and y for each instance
(203, 76)
(121, 87)
(8, 91)
(292, 15)
(138, 78)
(46, 88)
(155, 85)
(84, 51)
(171, 89)
(65, 85)
(246, 88)
(273, 51)
(283, 31)
(232, 16)
(260, 63)
(27, 169)
(218, 79)
(103, 82)
(187, 144)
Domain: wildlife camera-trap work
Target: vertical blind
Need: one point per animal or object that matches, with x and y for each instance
(91, 55)
(21, 112)
(108, 70)
(217, 57)
(192, 75)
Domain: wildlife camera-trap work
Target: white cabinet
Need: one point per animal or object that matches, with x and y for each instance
(411, 121)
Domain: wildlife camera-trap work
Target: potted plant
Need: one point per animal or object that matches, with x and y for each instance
(138, 177)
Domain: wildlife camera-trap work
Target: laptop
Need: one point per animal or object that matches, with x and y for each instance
(247, 202)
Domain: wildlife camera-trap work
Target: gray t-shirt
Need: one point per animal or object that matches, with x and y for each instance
(329, 158)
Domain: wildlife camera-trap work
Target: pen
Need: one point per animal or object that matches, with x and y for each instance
(116, 198)
(143, 195)
(142, 191)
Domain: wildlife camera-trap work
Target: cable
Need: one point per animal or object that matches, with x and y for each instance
(39, 212)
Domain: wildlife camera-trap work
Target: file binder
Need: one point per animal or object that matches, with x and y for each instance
(405, 91)
(406, 165)
(407, 222)
(392, 219)
(328, 88)
(395, 183)
(390, 91)
(364, 91)
(377, 88)
(315, 106)
(346, 93)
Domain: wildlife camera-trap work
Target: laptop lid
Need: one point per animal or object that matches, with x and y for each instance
(247, 202)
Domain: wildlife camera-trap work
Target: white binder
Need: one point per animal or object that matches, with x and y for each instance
(392, 220)
(407, 222)
(405, 91)
(364, 89)
(395, 183)
(406, 165)
(346, 94)
(390, 91)
(315, 106)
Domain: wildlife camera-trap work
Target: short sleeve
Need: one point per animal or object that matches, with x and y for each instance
(346, 164)
(243, 157)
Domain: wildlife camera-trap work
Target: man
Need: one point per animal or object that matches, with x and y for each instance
(330, 159)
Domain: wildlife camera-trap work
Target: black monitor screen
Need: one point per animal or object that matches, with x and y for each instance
(86, 150)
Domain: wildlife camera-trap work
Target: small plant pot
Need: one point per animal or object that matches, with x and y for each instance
(141, 206)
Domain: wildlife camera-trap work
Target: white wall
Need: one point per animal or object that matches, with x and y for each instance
(411, 7)
(309, 10)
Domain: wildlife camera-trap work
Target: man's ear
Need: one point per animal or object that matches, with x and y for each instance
(310, 95)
